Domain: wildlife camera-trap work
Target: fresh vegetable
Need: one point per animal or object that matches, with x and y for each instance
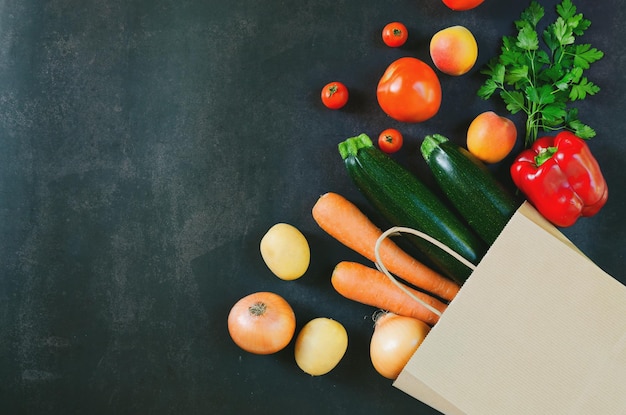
(345, 222)
(470, 186)
(262, 323)
(454, 50)
(366, 285)
(409, 91)
(491, 137)
(460, 5)
(335, 95)
(395, 34)
(561, 178)
(543, 82)
(320, 346)
(286, 251)
(405, 201)
(395, 340)
(390, 140)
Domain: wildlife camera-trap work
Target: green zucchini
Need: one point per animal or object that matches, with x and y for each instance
(403, 200)
(469, 185)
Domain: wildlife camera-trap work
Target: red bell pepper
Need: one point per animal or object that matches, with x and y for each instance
(561, 178)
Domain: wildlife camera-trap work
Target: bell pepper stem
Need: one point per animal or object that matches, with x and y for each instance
(544, 155)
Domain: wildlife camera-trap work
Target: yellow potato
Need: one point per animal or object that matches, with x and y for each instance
(285, 251)
(320, 346)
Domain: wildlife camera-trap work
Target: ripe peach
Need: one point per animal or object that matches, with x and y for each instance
(491, 137)
(454, 50)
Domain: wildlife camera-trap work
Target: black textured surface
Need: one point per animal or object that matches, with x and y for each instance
(146, 146)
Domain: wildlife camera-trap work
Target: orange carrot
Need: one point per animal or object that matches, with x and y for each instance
(345, 222)
(369, 286)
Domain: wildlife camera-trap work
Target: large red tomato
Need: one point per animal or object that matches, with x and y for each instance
(409, 91)
(462, 4)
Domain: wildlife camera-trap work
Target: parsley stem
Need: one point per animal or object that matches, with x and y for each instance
(531, 129)
(533, 123)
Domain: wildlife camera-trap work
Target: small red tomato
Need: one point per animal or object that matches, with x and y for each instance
(395, 34)
(335, 95)
(390, 140)
(460, 5)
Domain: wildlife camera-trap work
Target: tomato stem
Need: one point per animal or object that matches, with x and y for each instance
(258, 308)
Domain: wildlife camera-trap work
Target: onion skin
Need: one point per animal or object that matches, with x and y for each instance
(394, 341)
(262, 323)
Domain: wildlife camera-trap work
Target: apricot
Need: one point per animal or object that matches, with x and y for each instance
(454, 50)
(491, 137)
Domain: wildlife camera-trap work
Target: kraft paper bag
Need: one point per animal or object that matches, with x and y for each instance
(538, 328)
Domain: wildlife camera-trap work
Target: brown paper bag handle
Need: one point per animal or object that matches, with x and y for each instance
(397, 230)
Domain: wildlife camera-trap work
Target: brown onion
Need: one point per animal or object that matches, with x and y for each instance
(394, 341)
(262, 323)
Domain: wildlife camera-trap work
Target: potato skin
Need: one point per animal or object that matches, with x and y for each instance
(320, 346)
(285, 251)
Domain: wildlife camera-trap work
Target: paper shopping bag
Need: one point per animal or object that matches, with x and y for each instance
(538, 328)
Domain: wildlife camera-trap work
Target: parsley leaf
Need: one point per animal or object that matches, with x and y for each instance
(566, 10)
(563, 32)
(514, 101)
(585, 55)
(533, 14)
(582, 89)
(543, 79)
(527, 38)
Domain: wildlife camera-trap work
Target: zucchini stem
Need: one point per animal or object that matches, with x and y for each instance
(430, 143)
(352, 145)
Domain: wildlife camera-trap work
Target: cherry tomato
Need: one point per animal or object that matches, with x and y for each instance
(390, 140)
(335, 95)
(395, 34)
(409, 91)
(462, 4)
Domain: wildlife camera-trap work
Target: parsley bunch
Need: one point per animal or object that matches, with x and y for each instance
(542, 81)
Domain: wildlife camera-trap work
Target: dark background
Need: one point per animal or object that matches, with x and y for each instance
(147, 145)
